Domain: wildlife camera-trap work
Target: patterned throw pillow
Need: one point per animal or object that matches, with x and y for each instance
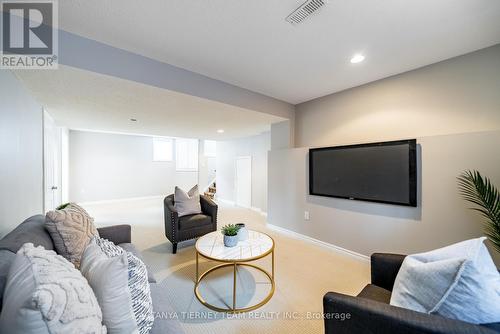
(137, 285)
(71, 230)
(46, 294)
(79, 209)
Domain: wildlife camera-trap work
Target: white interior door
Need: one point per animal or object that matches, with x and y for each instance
(51, 163)
(243, 181)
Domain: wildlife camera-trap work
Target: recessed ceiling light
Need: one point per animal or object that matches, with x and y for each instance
(358, 58)
(220, 131)
(133, 119)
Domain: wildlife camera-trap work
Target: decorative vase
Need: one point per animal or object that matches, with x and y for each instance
(242, 232)
(230, 240)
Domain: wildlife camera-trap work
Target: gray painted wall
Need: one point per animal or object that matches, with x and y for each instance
(112, 166)
(227, 151)
(282, 135)
(452, 107)
(21, 145)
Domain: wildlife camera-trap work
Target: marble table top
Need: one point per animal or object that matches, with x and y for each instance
(212, 246)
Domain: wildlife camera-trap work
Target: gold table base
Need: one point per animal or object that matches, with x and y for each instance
(235, 265)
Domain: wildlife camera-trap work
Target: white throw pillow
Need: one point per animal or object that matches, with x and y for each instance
(46, 294)
(120, 282)
(187, 203)
(458, 281)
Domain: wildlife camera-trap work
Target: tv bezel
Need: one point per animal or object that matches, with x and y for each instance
(412, 171)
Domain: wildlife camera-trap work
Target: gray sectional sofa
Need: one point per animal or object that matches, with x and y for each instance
(33, 230)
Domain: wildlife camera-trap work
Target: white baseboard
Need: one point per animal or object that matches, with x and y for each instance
(300, 236)
(225, 201)
(233, 203)
(129, 199)
(259, 210)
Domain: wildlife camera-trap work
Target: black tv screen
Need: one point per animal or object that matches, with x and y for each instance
(380, 172)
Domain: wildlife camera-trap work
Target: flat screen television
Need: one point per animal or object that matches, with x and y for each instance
(379, 172)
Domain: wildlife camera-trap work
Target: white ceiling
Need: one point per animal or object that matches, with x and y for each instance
(85, 100)
(248, 43)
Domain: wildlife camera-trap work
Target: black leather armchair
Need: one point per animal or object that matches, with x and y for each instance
(370, 312)
(179, 229)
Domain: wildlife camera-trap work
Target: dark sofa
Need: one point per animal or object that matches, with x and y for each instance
(370, 311)
(33, 230)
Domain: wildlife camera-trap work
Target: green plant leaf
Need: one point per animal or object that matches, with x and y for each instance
(481, 192)
(62, 206)
(230, 230)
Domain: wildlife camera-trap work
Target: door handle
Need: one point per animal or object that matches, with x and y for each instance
(54, 188)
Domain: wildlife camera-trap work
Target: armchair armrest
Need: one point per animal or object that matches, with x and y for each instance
(118, 234)
(170, 210)
(171, 217)
(371, 317)
(385, 268)
(208, 207)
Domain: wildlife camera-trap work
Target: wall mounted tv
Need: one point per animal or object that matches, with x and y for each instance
(379, 172)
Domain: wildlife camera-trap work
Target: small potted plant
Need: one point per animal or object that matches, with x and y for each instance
(230, 233)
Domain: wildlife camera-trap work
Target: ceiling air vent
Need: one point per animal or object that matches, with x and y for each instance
(305, 10)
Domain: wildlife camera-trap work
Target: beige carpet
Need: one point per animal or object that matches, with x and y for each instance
(304, 273)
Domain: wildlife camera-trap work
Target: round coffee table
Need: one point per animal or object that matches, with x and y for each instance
(211, 247)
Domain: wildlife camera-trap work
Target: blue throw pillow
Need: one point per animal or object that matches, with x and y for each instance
(459, 282)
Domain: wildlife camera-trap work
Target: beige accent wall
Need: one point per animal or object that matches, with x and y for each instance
(452, 108)
(454, 96)
(441, 217)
